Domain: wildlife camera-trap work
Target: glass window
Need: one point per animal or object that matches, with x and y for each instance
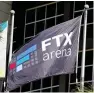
(29, 30)
(89, 43)
(16, 90)
(36, 84)
(79, 74)
(40, 13)
(79, 5)
(15, 46)
(60, 8)
(46, 82)
(56, 80)
(88, 73)
(51, 10)
(59, 19)
(90, 16)
(30, 16)
(81, 38)
(15, 34)
(50, 22)
(81, 33)
(73, 78)
(79, 58)
(90, 31)
(89, 58)
(25, 87)
(39, 27)
(55, 89)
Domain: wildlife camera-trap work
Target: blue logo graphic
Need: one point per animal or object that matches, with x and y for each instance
(26, 58)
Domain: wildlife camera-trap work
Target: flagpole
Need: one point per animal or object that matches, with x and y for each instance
(93, 57)
(84, 48)
(11, 34)
(10, 42)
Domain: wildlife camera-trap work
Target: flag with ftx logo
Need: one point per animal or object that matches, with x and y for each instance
(3, 44)
(52, 52)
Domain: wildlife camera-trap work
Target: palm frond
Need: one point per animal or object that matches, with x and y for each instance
(87, 89)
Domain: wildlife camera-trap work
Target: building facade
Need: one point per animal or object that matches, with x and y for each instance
(33, 17)
(5, 8)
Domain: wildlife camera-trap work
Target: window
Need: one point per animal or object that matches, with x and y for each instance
(77, 11)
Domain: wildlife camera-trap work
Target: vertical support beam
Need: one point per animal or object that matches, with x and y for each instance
(31, 86)
(62, 83)
(55, 13)
(45, 17)
(35, 22)
(24, 28)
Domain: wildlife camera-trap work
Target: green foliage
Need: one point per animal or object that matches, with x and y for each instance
(87, 89)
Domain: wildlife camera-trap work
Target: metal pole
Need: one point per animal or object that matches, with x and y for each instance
(11, 34)
(93, 56)
(11, 41)
(84, 49)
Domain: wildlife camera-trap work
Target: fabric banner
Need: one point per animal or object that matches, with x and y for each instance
(3, 44)
(51, 52)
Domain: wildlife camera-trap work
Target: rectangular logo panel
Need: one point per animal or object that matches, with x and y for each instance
(19, 68)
